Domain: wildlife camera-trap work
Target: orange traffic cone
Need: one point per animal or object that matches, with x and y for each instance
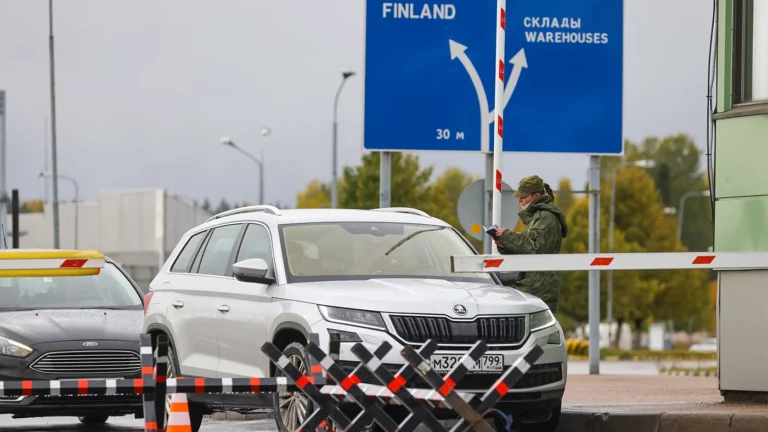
(178, 418)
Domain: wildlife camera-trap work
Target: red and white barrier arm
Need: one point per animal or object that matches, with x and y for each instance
(617, 261)
(50, 263)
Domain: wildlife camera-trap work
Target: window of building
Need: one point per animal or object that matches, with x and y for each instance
(750, 51)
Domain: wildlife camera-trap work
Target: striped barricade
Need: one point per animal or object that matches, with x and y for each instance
(327, 386)
(392, 390)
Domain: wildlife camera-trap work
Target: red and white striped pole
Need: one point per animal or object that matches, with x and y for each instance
(498, 146)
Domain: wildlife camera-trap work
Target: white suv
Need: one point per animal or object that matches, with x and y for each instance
(258, 274)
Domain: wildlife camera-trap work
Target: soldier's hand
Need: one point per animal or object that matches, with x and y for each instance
(500, 231)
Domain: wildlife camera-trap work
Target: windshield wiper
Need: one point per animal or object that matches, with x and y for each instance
(410, 236)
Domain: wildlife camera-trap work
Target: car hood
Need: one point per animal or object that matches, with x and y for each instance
(41, 326)
(428, 296)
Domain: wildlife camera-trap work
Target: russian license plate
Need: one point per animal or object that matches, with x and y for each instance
(487, 363)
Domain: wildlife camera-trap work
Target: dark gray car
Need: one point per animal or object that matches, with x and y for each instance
(79, 327)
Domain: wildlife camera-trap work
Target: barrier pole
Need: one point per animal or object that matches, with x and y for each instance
(498, 146)
(161, 372)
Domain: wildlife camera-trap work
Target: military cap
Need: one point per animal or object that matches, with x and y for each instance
(529, 185)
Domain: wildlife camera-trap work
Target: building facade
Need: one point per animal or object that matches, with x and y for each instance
(741, 193)
(136, 228)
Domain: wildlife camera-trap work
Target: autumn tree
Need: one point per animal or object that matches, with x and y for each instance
(564, 198)
(442, 199)
(32, 206)
(315, 195)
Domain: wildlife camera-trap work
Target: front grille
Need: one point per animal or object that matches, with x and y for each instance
(499, 330)
(89, 363)
(537, 376)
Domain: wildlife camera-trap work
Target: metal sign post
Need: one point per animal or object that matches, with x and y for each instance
(594, 276)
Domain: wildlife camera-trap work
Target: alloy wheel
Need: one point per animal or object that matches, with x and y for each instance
(293, 405)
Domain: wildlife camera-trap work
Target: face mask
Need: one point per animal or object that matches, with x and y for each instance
(526, 205)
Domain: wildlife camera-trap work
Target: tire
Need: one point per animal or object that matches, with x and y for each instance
(296, 407)
(195, 411)
(94, 419)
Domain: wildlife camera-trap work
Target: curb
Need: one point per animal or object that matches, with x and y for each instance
(693, 373)
(233, 416)
(585, 421)
(572, 357)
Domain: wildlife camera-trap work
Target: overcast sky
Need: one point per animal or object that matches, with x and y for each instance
(145, 90)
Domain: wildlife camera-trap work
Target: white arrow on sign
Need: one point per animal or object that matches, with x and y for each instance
(458, 50)
(518, 62)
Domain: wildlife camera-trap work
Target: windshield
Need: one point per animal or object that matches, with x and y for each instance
(364, 250)
(110, 289)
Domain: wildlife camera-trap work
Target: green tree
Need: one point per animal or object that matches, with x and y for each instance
(678, 171)
(640, 226)
(409, 183)
(223, 206)
(206, 205)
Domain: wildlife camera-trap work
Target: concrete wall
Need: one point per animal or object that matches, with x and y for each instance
(137, 228)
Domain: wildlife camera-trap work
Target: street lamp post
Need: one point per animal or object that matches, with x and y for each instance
(611, 221)
(54, 157)
(334, 186)
(77, 198)
(681, 207)
(227, 141)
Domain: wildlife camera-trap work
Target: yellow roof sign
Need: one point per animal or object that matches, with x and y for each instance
(50, 263)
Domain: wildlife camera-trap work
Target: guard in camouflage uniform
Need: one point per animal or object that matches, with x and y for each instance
(545, 229)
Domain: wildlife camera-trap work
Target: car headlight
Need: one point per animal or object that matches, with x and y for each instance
(12, 348)
(541, 320)
(353, 317)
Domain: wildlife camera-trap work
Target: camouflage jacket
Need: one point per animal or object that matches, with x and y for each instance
(545, 229)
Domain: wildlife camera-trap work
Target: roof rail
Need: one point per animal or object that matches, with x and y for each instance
(250, 209)
(403, 210)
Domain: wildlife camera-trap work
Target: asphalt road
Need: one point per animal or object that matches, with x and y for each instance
(121, 424)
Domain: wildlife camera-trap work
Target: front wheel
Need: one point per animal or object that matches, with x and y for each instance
(94, 419)
(291, 409)
(195, 411)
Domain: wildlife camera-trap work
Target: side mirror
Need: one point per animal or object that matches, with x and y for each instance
(508, 278)
(252, 270)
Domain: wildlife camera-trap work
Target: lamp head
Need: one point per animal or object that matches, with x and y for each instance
(347, 73)
(225, 140)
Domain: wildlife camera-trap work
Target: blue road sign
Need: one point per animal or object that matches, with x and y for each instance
(430, 69)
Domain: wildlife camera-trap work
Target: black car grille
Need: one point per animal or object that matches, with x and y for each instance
(498, 330)
(88, 363)
(537, 376)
